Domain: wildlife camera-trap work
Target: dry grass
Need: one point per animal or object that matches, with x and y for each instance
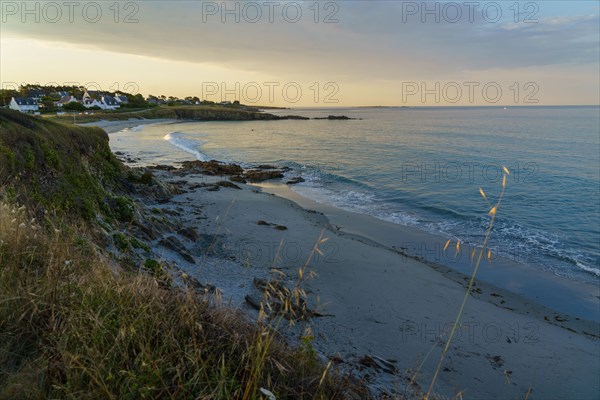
(72, 327)
(480, 254)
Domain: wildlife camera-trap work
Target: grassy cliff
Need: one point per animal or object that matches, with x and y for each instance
(49, 166)
(77, 323)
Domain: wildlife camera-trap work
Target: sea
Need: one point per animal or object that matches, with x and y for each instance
(425, 168)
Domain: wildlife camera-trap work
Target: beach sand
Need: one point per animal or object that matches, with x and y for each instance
(115, 126)
(386, 315)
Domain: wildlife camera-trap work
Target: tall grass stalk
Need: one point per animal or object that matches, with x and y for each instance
(493, 212)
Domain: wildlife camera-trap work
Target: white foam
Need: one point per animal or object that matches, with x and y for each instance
(584, 267)
(187, 145)
(140, 127)
(355, 201)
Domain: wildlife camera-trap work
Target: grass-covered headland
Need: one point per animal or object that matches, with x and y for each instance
(76, 321)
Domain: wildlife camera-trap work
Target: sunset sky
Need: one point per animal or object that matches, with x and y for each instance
(344, 53)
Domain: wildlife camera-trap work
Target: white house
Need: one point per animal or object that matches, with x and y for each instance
(24, 104)
(105, 102)
(121, 99)
(109, 103)
(91, 94)
(64, 100)
(89, 103)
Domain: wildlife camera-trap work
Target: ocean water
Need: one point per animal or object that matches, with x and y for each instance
(423, 167)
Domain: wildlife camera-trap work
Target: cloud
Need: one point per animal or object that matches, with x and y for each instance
(370, 40)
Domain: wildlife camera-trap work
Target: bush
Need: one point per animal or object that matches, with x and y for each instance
(122, 208)
(74, 107)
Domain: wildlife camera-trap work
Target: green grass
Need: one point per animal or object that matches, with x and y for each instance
(51, 166)
(196, 112)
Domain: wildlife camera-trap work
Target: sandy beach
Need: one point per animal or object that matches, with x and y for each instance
(385, 315)
(115, 126)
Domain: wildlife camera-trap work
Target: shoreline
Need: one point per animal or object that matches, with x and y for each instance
(566, 296)
(119, 125)
(383, 304)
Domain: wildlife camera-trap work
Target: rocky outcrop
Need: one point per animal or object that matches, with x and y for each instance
(295, 180)
(213, 167)
(174, 244)
(228, 184)
(209, 114)
(262, 175)
(336, 117)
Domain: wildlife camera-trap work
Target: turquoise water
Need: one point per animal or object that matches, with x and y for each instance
(423, 167)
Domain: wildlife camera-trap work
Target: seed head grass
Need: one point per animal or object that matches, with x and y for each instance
(73, 324)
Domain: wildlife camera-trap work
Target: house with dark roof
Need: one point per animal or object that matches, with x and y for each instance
(24, 104)
(121, 99)
(109, 103)
(90, 102)
(92, 94)
(64, 100)
(35, 94)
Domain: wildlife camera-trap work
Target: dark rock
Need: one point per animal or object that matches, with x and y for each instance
(297, 179)
(253, 302)
(163, 167)
(378, 363)
(228, 184)
(190, 233)
(172, 243)
(293, 117)
(278, 227)
(237, 178)
(336, 117)
(149, 229)
(264, 166)
(213, 167)
(259, 176)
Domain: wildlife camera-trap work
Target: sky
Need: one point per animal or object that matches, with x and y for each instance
(311, 53)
